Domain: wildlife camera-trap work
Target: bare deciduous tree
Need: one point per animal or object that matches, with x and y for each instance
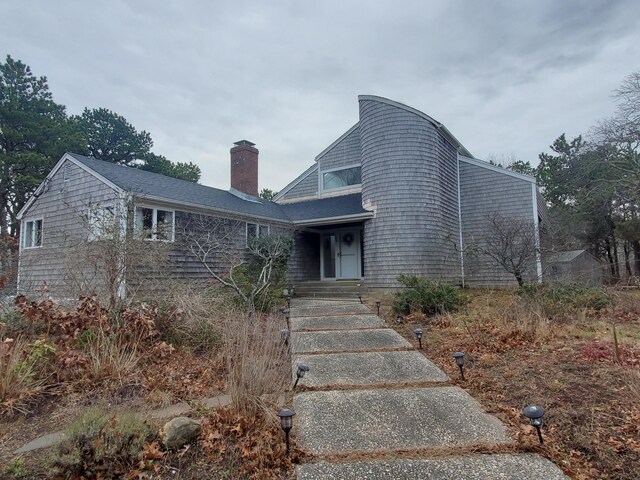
(512, 243)
(215, 242)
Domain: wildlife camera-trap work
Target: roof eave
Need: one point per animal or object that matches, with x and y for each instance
(333, 220)
(206, 208)
(58, 165)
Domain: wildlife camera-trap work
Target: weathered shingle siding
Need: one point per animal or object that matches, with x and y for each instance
(64, 208)
(308, 187)
(304, 265)
(193, 229)
(346, 152)
(449, 225)
(482, 193)
(405, 165)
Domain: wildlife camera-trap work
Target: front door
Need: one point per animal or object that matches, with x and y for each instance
(349, 253)
(341, 254)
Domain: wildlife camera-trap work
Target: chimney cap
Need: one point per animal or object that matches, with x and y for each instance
(240, 143)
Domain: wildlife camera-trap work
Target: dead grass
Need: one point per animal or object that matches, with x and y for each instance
(519, 356)
(112, 357)
(256, 359)
(20, 378)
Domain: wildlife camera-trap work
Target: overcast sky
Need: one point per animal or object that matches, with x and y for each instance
(505, 77)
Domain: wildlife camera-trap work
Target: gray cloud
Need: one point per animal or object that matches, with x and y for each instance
(505, 77)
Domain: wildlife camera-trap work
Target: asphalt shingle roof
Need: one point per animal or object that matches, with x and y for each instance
(325, 208)
(143, 183)
(140, 182)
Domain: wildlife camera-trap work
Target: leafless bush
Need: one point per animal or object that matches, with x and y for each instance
(247, 270)
(512, 243)
(194, 318)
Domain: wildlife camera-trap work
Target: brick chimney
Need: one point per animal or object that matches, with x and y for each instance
(244, 167)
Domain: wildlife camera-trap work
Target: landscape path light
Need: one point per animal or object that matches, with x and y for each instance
(459, 357)
(534, 414)
(378, 302)
(302, 369)
(288, 300)
(418, 333)
(399, 319)
(286, 423)
(360, 297)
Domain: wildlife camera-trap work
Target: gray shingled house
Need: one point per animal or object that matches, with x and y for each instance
(396, 193)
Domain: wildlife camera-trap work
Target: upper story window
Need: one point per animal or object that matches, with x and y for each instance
(342, 178)
(32, 235)
(102, 222)
(155, 223)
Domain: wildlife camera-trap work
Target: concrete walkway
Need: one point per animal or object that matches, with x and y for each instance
(372, 394)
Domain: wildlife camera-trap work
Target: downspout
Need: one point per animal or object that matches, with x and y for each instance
(125, 199)
(536, 225)
(460, 218)
(19, 257)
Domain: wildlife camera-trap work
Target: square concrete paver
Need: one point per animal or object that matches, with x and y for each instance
(337, 322)
(329, 309)
(368, 368)
(527, 466)
(347, 340)
(383, 419)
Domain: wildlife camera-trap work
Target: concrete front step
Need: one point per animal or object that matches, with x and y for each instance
(332, 294)
(338, 322)
(306, 310)
(524, 466)
(359, 421)
(347, 341)
(368, 368)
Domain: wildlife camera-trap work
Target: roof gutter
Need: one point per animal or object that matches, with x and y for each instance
(204, 208)
(334, 220)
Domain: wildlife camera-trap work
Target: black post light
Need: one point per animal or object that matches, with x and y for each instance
(286, 423)
(459, 357)
(360, 297)
(418, 333)
(534, 414)
(399, 319)
(289, 300)
(378, 302)
(302, 369)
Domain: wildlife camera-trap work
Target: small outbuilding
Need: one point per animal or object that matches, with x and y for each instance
(575, 266)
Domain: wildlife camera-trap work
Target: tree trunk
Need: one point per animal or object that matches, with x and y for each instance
(635, 245)
(607, 247)
(616, 263)
(627, 263)
(519, 279)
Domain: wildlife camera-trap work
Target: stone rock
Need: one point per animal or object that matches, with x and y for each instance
(180, 431)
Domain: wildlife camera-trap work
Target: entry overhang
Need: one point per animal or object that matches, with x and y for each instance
(314, 222)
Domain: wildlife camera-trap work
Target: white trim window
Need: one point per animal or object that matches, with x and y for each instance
(32, 233)
(155, 223)
(341, 178)
(102, 222)
(66, 172)
(256, 230)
